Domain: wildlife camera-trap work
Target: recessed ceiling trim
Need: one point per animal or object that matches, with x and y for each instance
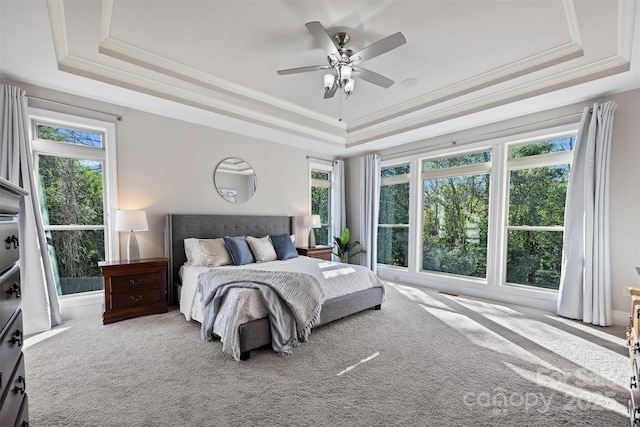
(528, 65)
(87, 68)
(143, 58)
(595, 70)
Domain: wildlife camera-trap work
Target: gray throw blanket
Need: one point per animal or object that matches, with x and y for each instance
(301, 294)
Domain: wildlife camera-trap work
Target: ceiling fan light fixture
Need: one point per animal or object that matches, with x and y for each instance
(329, 79)
(348, 87)
(345, 73)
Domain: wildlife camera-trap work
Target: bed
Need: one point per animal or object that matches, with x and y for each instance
(254, 333)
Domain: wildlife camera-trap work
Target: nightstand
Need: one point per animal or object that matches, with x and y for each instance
(134, 288)
(320, 252)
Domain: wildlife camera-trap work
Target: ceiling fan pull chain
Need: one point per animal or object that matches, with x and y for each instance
(340, 100)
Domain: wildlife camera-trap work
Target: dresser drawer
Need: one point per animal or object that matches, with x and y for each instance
(139, 281)
(23, 416)
(14, 396)
(10, 293)
(11, 340)
(9, 244)
(138, 298)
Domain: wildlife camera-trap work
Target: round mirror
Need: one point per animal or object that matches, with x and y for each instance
(235, 180)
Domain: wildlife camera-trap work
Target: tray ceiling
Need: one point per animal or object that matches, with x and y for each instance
(219, 59)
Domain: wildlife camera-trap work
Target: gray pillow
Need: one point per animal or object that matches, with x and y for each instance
(284, 246)
(239, 250)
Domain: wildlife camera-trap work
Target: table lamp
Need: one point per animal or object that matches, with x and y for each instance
(132, 221)
(312, 221)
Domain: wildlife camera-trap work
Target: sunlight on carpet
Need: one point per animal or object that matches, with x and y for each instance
(365, 360)
(581, 399)
(42, 336)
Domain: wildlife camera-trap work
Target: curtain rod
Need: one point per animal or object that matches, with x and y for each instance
(117, 116)
(320, 159)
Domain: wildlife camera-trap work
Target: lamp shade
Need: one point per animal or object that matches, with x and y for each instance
(312, 221)
(348, 88)
(131, 220)
(328, 81)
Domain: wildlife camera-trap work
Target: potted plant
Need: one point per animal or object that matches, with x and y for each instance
(344, 249)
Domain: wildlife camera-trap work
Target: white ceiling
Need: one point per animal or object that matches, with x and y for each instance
(215, 62)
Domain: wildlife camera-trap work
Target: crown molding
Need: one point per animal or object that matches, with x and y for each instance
(592, 71)
(148, 60)
(106, 74)
(531, 64)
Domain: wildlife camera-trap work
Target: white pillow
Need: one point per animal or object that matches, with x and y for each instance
(262, 249)
(207, 252)
(188, 248)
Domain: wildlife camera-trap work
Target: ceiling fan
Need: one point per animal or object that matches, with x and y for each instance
(344, 63)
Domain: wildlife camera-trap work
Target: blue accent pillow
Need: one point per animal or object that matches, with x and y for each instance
(239, 250)
(284, 246)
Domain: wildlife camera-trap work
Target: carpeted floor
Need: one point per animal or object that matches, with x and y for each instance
(425, 359)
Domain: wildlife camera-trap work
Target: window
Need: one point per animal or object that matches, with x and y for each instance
(393, 217)
(455, 214)
(321, 202)
(70, 163)
(538, 179)
(489, 216)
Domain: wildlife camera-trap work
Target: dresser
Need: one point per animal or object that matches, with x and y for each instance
(134, 288)
(14, 408)
(320, 252)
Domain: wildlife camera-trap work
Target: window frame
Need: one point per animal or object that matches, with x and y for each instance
(393, 180)
(321, 183)
(106, 154)
(522, 163)
(494, 286)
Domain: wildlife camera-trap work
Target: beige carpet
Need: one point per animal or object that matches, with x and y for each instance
(425, 359)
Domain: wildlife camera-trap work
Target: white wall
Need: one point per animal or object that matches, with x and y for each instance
(167, 166)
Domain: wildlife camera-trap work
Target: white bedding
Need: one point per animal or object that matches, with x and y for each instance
(242, 305)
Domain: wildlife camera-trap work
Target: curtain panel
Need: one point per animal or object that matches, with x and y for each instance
(370, 190)
(585, 281)
(338, 206)
(40, 305)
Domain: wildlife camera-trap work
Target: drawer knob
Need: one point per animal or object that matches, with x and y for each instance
(11, 240)
(22, 385)
(134, 283)
(136, 299)
(16, 338)
(14, 289)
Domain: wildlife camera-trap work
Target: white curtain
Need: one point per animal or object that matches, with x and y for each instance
(585, 282)
(40, 305)
(370, 187)
(338, 209)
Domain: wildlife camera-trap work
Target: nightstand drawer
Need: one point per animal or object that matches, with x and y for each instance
(15, 393)
(140, 298)
(134, 282)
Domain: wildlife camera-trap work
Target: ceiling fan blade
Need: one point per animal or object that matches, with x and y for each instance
(303, 69)
(329, 93)
(375, 78)
(323, 38)
(378, 48)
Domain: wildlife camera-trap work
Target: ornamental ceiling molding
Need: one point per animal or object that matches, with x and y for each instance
(414, 114)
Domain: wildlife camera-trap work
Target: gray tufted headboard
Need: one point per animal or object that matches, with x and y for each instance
(184, 226)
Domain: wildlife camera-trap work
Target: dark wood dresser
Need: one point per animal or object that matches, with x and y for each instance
(14, 408)
(134, 288)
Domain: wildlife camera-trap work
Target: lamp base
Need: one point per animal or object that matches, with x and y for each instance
(133, 252)
(312, 238)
